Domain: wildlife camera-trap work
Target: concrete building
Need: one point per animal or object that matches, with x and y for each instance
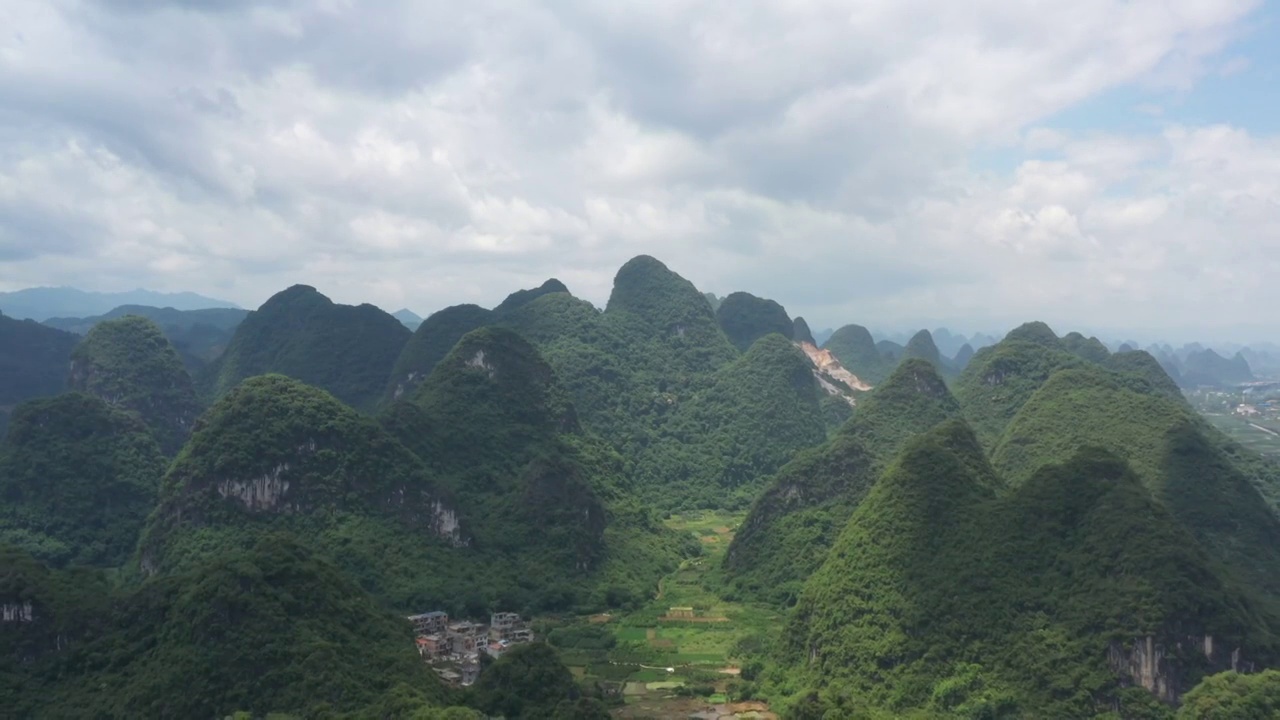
(429, 623)
(509, 628)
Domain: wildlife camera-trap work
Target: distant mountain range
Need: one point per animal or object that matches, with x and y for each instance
(42, 303)
(222, 513)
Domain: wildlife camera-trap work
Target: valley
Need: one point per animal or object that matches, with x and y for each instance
(672, 506)
(683, 653)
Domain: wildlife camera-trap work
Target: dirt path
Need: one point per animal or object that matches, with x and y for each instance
(1269, 431)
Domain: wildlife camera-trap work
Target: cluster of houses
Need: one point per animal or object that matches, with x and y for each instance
(453, 648)
(1261, 409)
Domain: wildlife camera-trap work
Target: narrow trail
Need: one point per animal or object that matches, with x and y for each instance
(1269, 431)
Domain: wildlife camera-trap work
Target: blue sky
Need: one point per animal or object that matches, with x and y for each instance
(1108, 164)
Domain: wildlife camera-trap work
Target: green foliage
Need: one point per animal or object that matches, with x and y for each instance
(800, 332)
(718, 447)
(746, 318)
(430, 343)
(495, 424)
(276, 454)
(790, 527)
(945, 596)
(1208, 368)
(1090, 349)
(130, 364)
(33, 361)
(583, 637)
(1000, 378)
(1177, 456)
(346, 350)
(1233, 696)
(273, 628)
(854, 347)
(1141, 364)
(530, 682)
(77, 479)
(921, 346)
(524, 297)
(199, 336)
(666, 319)
(66, 610)
(1036, 333)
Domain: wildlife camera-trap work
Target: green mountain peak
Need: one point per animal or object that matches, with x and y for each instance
(430, 343)
(746, 318)
(347, 350)
(1034, 332)
(130, 363)
(856, 350)
(921, 346)
(276, 447)
(522, 297)
(800, 332)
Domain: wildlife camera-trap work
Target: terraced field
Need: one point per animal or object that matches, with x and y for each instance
(1261, 436)
(681, 654)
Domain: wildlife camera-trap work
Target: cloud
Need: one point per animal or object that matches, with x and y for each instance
(822, 153)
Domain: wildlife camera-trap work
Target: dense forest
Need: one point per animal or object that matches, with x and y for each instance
(229, 514)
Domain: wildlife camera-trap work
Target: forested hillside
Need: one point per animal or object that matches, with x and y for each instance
(347, 350)
(34, 361)
(131, 365)
(1039, 529)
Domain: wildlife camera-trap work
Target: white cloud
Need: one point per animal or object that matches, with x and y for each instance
(817, 152)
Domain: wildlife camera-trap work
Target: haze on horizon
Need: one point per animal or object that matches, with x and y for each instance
(1106, 166)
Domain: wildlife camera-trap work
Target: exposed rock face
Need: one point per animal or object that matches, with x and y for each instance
(261, 493)
(1159, 664)
(826, 364)
(17, 612)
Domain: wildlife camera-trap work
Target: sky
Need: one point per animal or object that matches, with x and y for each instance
(1105, 165)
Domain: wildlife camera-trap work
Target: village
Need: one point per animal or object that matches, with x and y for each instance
(453, 649)
(1259, 401)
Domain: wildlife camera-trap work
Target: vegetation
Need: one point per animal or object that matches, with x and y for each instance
(720, 445)
(1233, 696)
(495, 425)
(524, 297)
(1206, 367)
(1143, 365)
(199, 336)
(856, 350)
(531, 682)
(130, 364)
(77, 479)
(1090, 349)
(346, 350)
(791, 526)
(800, 332)
(275, 455)
(667, 320)
(924, 603)
(746, 318)
(1000, 378)
(33, 362)
(1182, 462)
(921, 346)
(433, 339)
(272, 628)
(1023, 548)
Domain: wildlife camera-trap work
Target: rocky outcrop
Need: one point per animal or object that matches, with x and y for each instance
(1160, 664)
(14, 612)
(831, 374)
(259, 494)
